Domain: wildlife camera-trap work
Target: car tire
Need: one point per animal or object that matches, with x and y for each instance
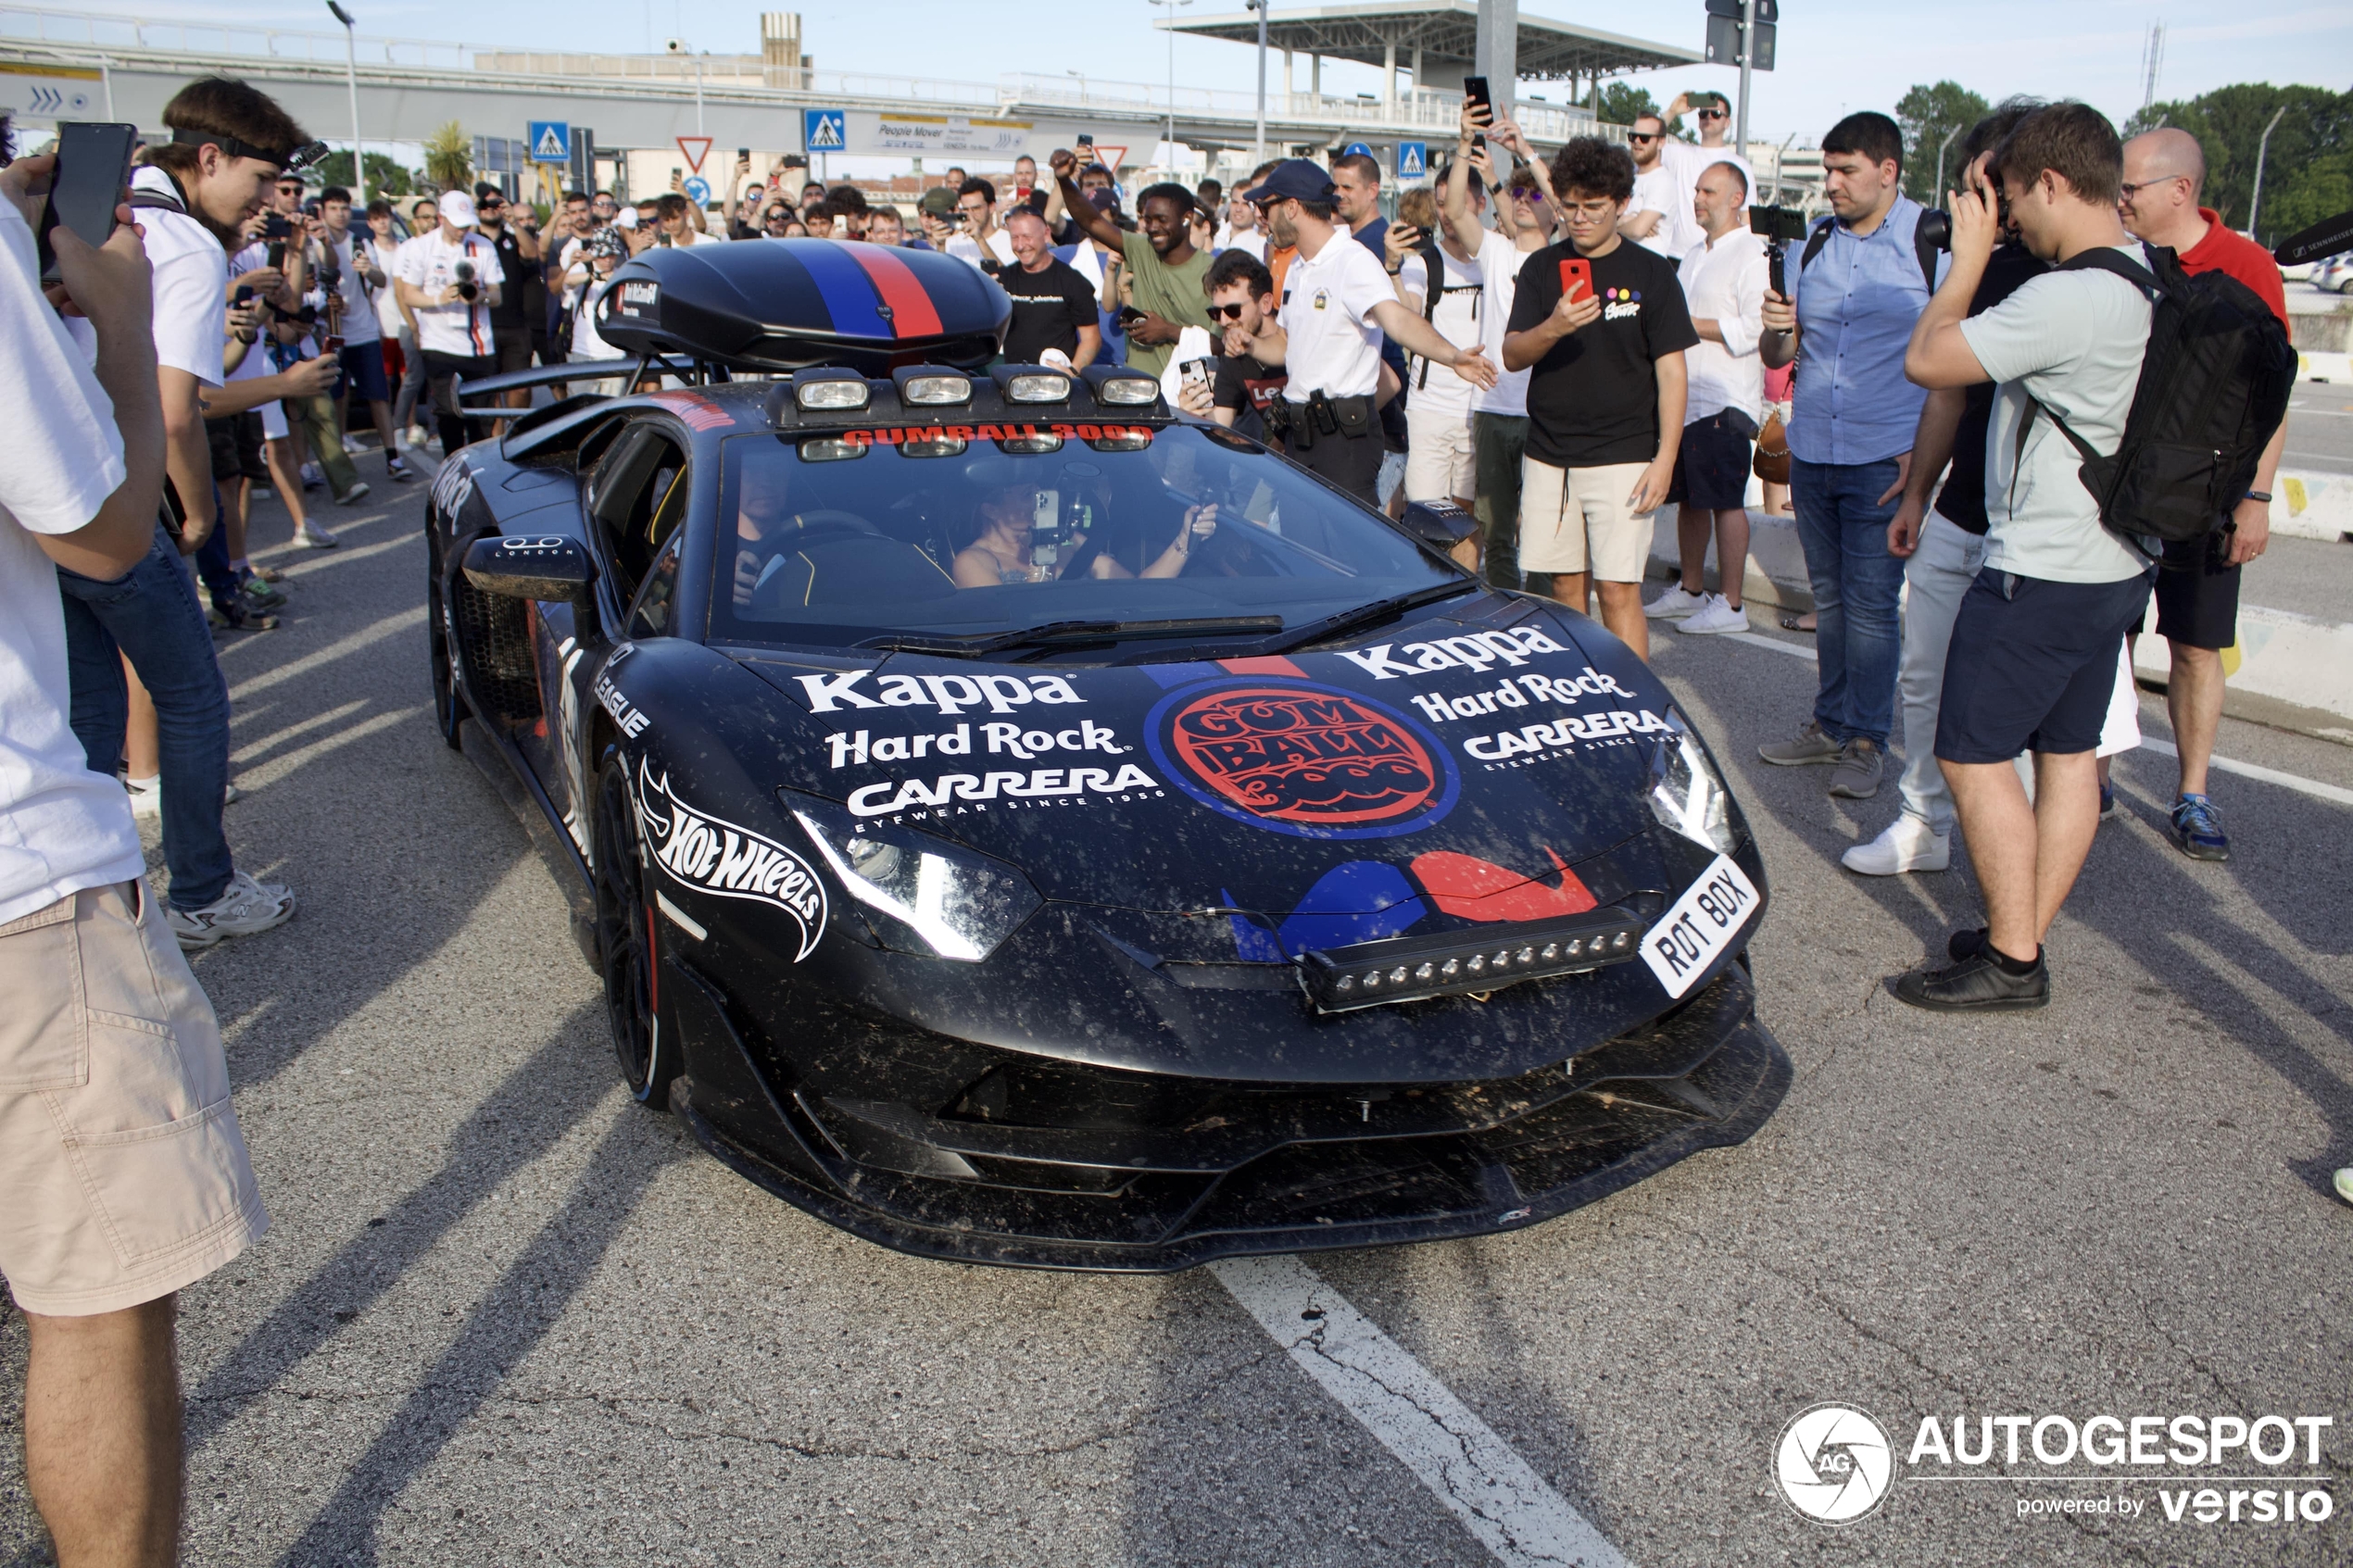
(626, 952)
(450, 709)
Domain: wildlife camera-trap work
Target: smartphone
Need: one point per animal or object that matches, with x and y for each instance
(1086, 138)
(1475, 92)
(243, 297)
(1576, 270)
(331, 346)
(1196, 373)
(742, 152)
(1130, 314)
(94, 166)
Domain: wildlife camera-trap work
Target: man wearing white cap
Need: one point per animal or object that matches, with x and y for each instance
(449, 279)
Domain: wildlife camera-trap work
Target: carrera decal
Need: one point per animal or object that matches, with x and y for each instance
(1515, 691)
(728, 860)
(1477, 650)
(949, 693)
(1570, 731)
(1355, 901)
(998, 740)
(1471, 888)
(1311, 760)
(884, 798)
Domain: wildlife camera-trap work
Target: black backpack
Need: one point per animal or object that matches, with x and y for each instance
(2214, 385)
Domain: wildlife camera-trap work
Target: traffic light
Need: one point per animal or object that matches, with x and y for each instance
(1724, 33)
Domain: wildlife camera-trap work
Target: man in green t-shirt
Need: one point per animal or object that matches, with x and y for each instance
(1167, 269)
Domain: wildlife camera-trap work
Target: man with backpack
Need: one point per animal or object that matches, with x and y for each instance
(2197, 590)
(1855, 293)
(2034, 648)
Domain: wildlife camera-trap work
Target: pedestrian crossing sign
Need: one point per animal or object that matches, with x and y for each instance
(822, 130)
(1413, 161)
(551, 140)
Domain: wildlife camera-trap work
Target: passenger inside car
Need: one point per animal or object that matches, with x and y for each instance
(1006, 548)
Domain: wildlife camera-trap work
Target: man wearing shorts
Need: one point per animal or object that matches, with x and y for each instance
(2033, 657)
(359, 279)
(2197, 591)
(125, 1175)
(1605, 399)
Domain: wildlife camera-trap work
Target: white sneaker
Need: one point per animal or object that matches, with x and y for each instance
(146, 795)
(358, 489)
(310, 536)
(310, 480)
(1674, 604)
(245, 908)
(1908, 845)
(1715, 615)
(413, 436)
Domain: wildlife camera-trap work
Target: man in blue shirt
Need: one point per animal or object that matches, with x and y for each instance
(1858, 287)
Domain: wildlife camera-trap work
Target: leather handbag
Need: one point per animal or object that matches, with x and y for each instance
(1771, 462)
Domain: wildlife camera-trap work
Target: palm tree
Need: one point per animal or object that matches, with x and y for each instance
(449, 158)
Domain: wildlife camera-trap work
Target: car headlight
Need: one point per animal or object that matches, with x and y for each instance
(921, 893)
(1686, 793)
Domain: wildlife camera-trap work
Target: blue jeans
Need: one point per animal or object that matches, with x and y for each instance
(151, 614)
(1842, 523)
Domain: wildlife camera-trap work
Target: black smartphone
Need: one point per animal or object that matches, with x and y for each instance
(1086, 138)
(94, 165)
(1129, 316)
(243, 297)
(1475, 92)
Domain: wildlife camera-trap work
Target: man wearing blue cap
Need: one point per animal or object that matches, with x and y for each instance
(1337, 306)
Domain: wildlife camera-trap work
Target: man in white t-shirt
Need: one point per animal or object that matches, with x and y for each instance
(982, 239)
(126, 1175)
(1241, 230)
(449, 279)
(1337, 306)
(1660, 218)
(359, 279)
(1438, 450)
(1499, 413)
(2034, 656)
(1687, 161)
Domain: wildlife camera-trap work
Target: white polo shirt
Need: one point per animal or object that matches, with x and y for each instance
(1327, 315)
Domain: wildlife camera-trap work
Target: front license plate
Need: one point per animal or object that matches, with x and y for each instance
(1694, 933)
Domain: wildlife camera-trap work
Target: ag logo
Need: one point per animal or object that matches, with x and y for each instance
(1310, 760)
(1833, 1463)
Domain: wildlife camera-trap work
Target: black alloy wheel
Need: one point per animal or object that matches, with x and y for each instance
(450, 709)
(626, 949)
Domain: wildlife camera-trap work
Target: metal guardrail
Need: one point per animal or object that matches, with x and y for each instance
(105, 30)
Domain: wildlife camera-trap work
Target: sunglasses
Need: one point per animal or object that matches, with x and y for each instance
(1642, 135)
(1230, 312)
(1711, 114)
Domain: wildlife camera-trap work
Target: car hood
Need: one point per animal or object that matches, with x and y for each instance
(1486, 763)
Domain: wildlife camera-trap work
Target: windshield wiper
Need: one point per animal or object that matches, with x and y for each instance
(1362, 615)
(1072, 631)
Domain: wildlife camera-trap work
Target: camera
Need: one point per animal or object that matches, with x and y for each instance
(467, 287)
(1779, 227)
(276, 227)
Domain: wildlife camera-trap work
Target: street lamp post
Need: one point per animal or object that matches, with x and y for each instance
(1171, 5)
(2255, 202)
(1939, 192)
(1260, 7)
(351, 85)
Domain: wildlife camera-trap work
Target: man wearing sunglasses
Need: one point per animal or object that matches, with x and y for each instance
(1687, 162)
(1658, 219)
(511, 317)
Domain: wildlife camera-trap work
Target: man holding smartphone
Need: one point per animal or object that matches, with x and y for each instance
(361, 278)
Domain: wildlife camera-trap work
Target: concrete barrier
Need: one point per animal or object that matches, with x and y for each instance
(2313, 506)
(2336, 368)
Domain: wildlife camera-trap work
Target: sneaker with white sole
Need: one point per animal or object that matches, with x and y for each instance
(1715, 615)
(399, 470)
(245, 908)
(310, 480)
(310, 536)
(1908, 845)
(359, 491)
(146, 795)
(1811, 746)
(1674, 603)
(2343, 1182)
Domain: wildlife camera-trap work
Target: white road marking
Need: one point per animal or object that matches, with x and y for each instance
(2312, 787)
(391, 625)
(1515, 1514)
(1795, 650)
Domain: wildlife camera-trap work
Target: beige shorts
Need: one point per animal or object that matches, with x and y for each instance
(123, 1172)
(1440, 455)
(1577, 519)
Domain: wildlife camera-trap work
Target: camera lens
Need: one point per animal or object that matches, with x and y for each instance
(1936, 228)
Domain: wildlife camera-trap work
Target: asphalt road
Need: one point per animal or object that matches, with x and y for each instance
(506, 1316)
(2319, 428)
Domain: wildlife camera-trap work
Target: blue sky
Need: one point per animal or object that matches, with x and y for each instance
(1834, 55)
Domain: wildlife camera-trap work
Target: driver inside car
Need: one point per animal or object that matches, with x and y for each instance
(1005, 550)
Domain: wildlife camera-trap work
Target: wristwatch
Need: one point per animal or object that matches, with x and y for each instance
(2262, 496)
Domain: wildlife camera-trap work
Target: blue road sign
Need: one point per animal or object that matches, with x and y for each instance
(1359, 149)
(697, 190)
(1413, 161)
(824, 130)
(551, 140)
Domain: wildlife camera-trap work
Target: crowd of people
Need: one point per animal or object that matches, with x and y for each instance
(1560, 347)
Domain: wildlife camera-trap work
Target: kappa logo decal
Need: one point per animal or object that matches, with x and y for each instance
(1306, 759)
(727, 860)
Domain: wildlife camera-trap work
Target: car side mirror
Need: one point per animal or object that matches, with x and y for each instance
(549, 567)
(1439, 524)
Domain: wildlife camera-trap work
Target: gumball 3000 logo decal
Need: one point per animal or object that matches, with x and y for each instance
(1310, 760)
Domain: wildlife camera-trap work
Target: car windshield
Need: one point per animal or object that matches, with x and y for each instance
(851, 536)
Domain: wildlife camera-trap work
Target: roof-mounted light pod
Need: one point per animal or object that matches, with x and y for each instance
(1042, 387)
(829, 394)
(936, 389)
(1127, 391)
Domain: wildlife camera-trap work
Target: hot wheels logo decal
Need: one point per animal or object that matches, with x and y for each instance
(1305, 759)
(727, 860)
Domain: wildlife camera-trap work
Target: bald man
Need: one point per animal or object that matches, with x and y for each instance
(2197, 596)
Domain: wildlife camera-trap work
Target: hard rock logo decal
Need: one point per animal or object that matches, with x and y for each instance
(728, 861)
(1305, 759)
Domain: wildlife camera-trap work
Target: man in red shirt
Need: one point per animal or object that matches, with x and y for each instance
(2197, 595)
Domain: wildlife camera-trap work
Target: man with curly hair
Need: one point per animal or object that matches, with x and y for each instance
(1606, 396)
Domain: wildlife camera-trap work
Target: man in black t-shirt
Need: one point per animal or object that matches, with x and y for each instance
(1941, 553)
(520, 303)
(1053, 305)
(1606, 399)
(1241, 296)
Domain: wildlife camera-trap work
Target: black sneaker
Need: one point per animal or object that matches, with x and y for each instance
(1966, 943)
(1977, 984)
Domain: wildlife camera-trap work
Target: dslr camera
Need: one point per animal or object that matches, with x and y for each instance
(467, 288)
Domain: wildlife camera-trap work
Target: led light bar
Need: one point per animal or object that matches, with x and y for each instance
(1406, 969)
(936, 389)
(1126, 390)
(1037, 388)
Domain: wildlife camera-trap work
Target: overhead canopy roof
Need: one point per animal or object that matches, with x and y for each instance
(1445, 30)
